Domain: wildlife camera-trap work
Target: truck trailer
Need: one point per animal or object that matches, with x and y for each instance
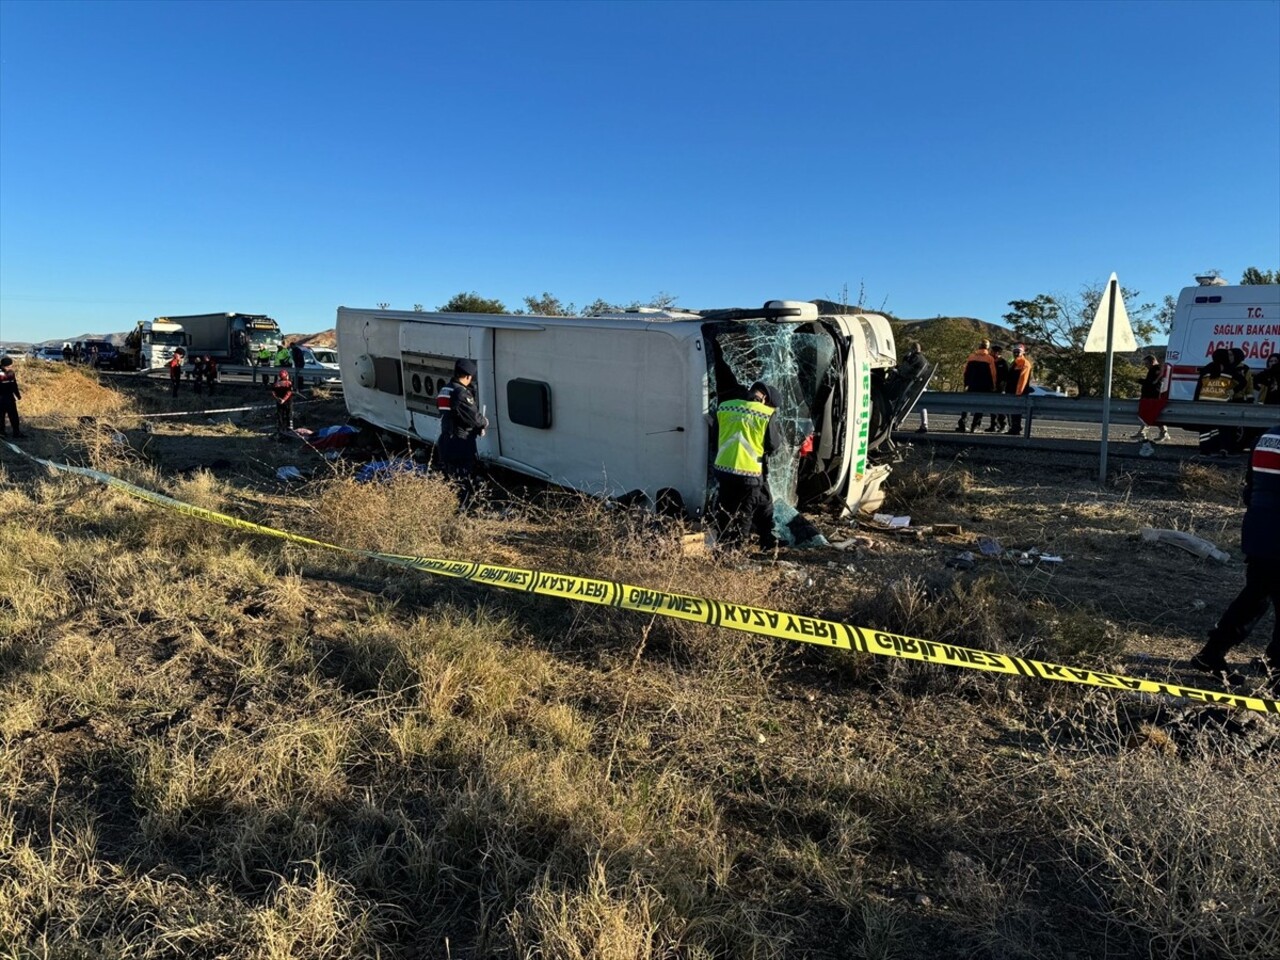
(229, 337)
(623, 405)
(150, 345)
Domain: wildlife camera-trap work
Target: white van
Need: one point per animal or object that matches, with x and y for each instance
(622, 405)
(1212, 315)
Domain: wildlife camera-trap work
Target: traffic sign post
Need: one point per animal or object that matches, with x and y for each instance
(1105, 337)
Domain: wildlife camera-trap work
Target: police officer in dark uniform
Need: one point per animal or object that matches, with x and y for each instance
(9, 396)
(461, 422)
(1260, 541)
(299, 361)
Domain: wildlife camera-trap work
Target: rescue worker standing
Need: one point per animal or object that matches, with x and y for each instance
(175, 369)
(9, 396)
(197, 373)
(998, 420)
(461, 422)
(263, 360)
(979, 377)
(1218, 382)
(210, 372)
(1260, 541)
(747, 434)
(1268, 381)
(1241, 376)
(1018, 383)
(282, 390)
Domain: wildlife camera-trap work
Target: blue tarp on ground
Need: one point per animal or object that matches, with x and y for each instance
(383, 470)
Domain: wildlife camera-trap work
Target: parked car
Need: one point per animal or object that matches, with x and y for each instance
(108, 357)
(324, 370)
(50, 353)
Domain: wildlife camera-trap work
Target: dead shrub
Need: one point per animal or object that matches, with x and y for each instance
(320, 918)
(1076, 634)
(55, 394)
(992, 909)
(598, 922)
(921, 485)
(180, 532)
(1199, 481)
(973, 612)
(1185, 854)
(408, 514)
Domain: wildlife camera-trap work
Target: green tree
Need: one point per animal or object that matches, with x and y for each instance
(472, 303)
(549, 306)
(599, 306)
(946, 343)
(661, 301)
(1252, 276)
(1056, 327)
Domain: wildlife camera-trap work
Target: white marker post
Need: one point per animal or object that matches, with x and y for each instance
(1111, 306)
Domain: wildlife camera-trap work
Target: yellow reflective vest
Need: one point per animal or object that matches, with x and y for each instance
(743, 424)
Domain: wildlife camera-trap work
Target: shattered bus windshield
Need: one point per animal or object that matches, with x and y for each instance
(804, 364)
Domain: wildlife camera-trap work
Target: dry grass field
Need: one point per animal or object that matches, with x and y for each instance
(219, 745)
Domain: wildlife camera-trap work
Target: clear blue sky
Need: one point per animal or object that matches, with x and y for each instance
(287, 158)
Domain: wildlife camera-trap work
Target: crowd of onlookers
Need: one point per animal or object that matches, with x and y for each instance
(988, 371)
(92, 353)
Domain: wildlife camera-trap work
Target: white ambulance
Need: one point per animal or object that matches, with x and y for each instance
(1212, 315)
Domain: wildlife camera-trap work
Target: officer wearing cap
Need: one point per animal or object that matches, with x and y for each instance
(461, 422)
(747, 434)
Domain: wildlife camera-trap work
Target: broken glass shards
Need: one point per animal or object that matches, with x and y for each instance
(798, 365)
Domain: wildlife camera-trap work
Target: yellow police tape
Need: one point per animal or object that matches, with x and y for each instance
(757, 620)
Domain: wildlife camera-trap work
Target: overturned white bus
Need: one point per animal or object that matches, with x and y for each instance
(623, 404)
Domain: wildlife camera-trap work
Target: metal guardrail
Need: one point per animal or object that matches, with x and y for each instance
(1089, 409)
(241, 369)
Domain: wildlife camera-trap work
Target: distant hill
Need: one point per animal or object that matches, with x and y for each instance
(325, 338)
(981, 328)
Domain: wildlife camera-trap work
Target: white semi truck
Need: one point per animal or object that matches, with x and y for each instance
(150, 345)
(228, 337)
(623, 405)
(1211, 315)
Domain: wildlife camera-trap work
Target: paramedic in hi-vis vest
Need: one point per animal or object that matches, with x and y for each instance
(1220, 381)
(746, 435)
(1260, 541)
